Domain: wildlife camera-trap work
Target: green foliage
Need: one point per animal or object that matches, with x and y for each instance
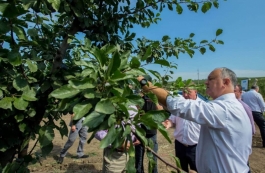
(47, 72)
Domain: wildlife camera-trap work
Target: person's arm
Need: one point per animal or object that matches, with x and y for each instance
(160, 93)
(261, 102)
(73, 127)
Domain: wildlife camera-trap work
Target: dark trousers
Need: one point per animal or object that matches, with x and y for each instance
(260, 121)
(139, 156)
(186, 155)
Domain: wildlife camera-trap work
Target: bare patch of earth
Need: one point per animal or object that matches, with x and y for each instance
(93, 164)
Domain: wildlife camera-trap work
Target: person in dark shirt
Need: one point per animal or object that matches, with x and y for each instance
(151, 134)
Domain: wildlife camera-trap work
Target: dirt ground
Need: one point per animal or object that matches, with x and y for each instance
(93, 164)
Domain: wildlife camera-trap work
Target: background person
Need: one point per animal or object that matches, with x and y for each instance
(115, 160)
(226, 136)
(77, 129)
(255, 101)
(186, 135)
(151, 134)
(238, 94)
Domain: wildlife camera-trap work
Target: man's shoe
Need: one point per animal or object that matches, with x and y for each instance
(60, 160)
(82, 157)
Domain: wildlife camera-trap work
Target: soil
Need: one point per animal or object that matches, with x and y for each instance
(93, 164)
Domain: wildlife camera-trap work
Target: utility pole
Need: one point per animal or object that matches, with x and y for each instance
(198, 76)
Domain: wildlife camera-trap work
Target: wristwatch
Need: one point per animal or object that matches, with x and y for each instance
(143, 82)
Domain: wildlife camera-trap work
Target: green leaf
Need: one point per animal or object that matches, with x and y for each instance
(86, 72)
(22, 127)
(108, 49)
(164, 132)
(192, 35)
(141, 135)
(55, 4)
(45, 150)
(46, 85)
(6, 103)
(32, 66)
(211, 48)
(31, 112)
(109, 138)
(63, 128)
(147, 53)
(135, 63)
(28, 3)
(19, 117)
(202, 50)
(20, 104)
(89, 93)
(179, 9)
(65, 91)
(216, 4)
(118, 76)
(81, 109)
(218, 32)
(94, 119)
(20, 32)
(29, 95)
(1, 94)
(32, 32)
(3, 7)
(204, 41)
(156, 74)
(14, 58)
(99, 55)
(206, 6)
(129, 164)
(20, 84)
(170, 6)
(153, 97)
(114, 64)
(105, 106)
(219, 42)
(82, 84)
(162, 62)
(46, 135)
(147, 119)
(136, 100)
(5, 27)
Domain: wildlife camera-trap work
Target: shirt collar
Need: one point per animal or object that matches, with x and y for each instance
(226, 96)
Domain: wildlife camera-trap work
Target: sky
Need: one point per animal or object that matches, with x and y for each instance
(243, 25)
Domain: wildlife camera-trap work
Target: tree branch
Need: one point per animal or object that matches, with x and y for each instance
(60, 54)
(168, 164)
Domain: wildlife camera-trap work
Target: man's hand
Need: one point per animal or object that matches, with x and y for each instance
(124, 146)
(139, 78)
(73, 128)
(137, 142)
(167, 124)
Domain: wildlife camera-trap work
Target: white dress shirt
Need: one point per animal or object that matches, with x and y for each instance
(186, 132)
(225, 137)
(254, 100)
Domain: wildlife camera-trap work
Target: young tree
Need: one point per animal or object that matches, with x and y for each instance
(46, 71)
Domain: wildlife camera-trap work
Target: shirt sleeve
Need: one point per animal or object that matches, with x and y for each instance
(198, 111)
(261, 102)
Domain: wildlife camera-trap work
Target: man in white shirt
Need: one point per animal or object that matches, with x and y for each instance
(226, 134)
(255, 101)
(186, 135)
